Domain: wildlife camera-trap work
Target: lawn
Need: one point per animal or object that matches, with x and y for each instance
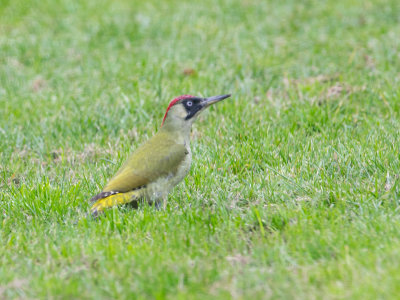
(294, 188)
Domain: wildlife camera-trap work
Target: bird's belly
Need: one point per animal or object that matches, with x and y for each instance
(162, 186)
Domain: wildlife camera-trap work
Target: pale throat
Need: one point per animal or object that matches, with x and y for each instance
(179, 127)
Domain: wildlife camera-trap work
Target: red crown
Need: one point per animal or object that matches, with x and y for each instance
(173, 102)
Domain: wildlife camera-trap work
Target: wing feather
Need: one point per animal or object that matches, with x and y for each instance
(156, 158)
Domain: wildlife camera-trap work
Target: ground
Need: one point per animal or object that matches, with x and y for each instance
(294, 188)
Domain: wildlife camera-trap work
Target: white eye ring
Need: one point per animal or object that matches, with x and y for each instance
(189, 103)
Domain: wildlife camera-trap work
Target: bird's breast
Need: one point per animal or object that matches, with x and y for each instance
(163, 185)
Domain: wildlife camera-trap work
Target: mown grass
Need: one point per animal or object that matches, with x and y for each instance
(294, 189)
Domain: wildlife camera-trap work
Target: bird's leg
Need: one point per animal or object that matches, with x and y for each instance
(157, 205)
(164, 201)
(160, 203)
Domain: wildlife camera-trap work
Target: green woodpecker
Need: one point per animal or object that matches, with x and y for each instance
(161, 163)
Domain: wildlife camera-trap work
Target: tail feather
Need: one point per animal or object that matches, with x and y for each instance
(112, 200)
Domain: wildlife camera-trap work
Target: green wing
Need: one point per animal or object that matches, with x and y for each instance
(159, 157)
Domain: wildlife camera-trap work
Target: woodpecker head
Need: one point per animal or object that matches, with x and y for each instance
(186, 108)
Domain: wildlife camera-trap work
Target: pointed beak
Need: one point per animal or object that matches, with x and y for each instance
(211, 100)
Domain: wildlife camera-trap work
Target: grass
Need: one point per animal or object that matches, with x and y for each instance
(294, 189)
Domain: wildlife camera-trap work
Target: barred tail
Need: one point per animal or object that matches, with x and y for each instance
(113, 199)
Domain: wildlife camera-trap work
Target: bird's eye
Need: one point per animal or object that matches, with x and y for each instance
(189, 103)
